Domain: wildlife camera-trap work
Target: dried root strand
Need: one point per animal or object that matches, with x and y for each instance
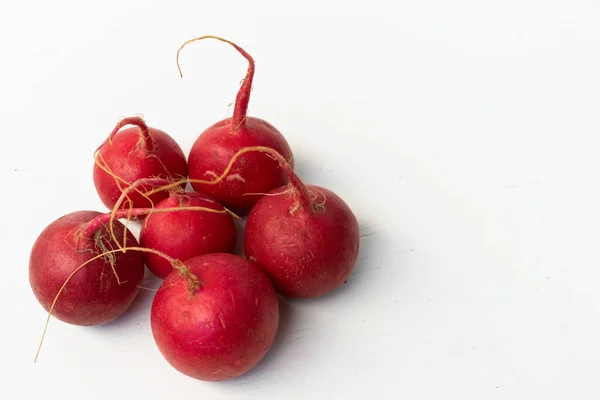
(193, 281)
(143, 129)
(302, 196)
(99, 239)
(243, 96)
(269, 151)
(116, 214)
(287, 191)
(118, 180)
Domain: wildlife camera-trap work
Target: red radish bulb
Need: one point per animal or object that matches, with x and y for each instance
(304, 237)
(213, 149)
(92, 295)
(219, 324)
(184, 234)
(135, 153)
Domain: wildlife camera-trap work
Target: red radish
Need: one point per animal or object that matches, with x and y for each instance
(214, 148)
(219, 324)
(92, 295)
(184, 225)
(186, 234)
(305, 237)
(135, 153)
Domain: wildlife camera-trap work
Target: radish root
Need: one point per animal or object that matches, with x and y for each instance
(142, 128)
(118, 179)
(296, 185)
(269, 194)
(194, 282)
(243, 95)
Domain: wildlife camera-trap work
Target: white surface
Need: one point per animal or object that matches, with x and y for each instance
(464, 134)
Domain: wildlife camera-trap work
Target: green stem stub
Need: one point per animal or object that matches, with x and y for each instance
(193, 281)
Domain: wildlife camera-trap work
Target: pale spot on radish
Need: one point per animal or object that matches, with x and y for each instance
(222, 321)
(185, 316)
(235, 177)
(232, 297)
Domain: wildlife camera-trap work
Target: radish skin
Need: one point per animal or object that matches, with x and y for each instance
(213, 149)
(130, 154)
(221, 328)
(186, 234)
(94, 295)
(304, 237)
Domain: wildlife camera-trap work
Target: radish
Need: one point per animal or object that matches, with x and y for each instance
(304, 237)
(217, 319)
(186, 234)
(131, 154)
(96, 294)
(184, 225)
(214, 148)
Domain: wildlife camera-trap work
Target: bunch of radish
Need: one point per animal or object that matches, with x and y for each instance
(216, 314)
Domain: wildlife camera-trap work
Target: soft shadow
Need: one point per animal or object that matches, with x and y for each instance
(239, 245)
(365, 276)
(371, 255)
(283, 332)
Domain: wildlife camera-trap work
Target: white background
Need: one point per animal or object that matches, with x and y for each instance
(464, 135)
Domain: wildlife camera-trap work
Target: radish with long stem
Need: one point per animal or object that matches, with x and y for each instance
(214, 148)
(130, 154)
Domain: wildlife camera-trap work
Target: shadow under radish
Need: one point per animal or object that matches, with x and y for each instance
(367, 270)
(239, 244)
(273, 355)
